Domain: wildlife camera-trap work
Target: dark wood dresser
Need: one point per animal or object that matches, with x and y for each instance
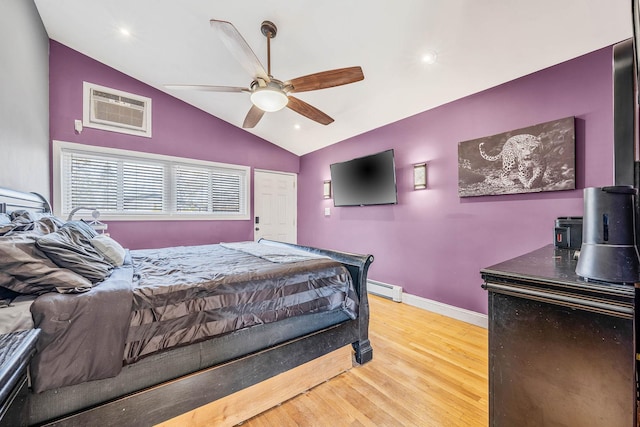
(562, 351)
(16, 350)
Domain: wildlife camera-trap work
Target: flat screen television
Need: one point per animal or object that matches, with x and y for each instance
(368, 180)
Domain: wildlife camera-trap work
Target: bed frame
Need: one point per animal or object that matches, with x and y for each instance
(277, 348)
(11, 200)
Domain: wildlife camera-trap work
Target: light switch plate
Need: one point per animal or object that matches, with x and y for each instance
(327, 211)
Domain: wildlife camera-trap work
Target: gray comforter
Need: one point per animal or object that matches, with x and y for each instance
(82, 335)
(176, 296)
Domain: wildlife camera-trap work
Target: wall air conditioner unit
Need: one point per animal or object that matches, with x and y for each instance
(117, 111)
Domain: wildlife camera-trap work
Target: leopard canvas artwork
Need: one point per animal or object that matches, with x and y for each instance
(532, 159)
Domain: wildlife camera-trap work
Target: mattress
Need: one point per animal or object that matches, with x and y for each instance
(183, 295)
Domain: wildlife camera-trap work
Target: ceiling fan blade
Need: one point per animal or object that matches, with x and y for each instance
(239, 48)
(208, 88)
(308, 111)
(326, 79)
(253, 117)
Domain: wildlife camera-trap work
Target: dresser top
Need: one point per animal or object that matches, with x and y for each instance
(550, 265)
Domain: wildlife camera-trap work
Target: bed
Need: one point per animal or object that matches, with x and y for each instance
(153, 334)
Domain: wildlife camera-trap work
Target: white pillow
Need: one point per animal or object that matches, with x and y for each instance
(109, 248)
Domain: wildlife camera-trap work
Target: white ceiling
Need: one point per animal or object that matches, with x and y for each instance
(479, 44)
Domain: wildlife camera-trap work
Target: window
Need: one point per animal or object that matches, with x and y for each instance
(124, 184)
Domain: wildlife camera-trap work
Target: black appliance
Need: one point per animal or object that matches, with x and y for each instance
(608, 251)
(568, 232)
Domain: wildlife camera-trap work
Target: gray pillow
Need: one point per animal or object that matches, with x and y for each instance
(111, 250)
(70, 248)
(27, 270)
(47, 224)
(23, 215)
(24, 221)
(82, 227)
(21, 220)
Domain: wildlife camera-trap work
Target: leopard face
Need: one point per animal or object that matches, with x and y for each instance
(525, 151)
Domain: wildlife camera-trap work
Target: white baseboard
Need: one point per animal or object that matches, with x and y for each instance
(458, 313)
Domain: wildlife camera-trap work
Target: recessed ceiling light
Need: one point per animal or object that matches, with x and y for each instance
(125, 32)
(430, 57)
(296, 126)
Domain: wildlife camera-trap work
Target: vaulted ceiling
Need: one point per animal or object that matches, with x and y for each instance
(476, 45)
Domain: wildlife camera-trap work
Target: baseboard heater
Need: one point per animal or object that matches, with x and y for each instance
(385, 290)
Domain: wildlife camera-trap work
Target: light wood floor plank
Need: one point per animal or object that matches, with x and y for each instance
(427, 370)
(256, 399)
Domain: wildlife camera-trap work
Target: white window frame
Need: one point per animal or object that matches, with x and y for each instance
(172, 214)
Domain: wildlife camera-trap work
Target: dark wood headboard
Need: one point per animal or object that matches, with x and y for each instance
(11, 200)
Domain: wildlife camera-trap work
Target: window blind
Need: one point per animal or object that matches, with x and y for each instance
(192, 189)
(143, 186)
(91, 182)
(225, 195)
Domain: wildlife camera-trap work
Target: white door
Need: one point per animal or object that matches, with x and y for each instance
(275, 206)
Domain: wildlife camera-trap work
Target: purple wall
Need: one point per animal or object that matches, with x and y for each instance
(434, 243)
(178, 129)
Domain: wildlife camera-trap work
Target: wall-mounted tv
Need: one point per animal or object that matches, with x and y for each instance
(368, 180)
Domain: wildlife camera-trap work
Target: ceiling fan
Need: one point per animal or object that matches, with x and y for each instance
(267, 93)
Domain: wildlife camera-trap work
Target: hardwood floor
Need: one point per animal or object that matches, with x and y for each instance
(427, 370)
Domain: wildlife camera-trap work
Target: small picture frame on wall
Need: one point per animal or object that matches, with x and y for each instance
(527, 160)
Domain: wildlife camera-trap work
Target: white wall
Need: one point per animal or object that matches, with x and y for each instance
(24, 98)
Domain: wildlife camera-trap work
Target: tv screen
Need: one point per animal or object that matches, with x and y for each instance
(369, 180)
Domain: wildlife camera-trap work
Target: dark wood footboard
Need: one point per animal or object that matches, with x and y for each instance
(168, 400)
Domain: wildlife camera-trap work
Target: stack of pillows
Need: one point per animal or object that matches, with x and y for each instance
(41, 254)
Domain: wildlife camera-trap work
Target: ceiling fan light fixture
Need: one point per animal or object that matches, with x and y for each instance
(268, 94)
(430, 57)
(269, 99)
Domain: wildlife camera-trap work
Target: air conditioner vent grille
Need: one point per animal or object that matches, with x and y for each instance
(117, 114)
(114, 110)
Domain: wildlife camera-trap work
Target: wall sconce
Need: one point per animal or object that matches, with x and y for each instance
(419, 176)
(327, 189)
